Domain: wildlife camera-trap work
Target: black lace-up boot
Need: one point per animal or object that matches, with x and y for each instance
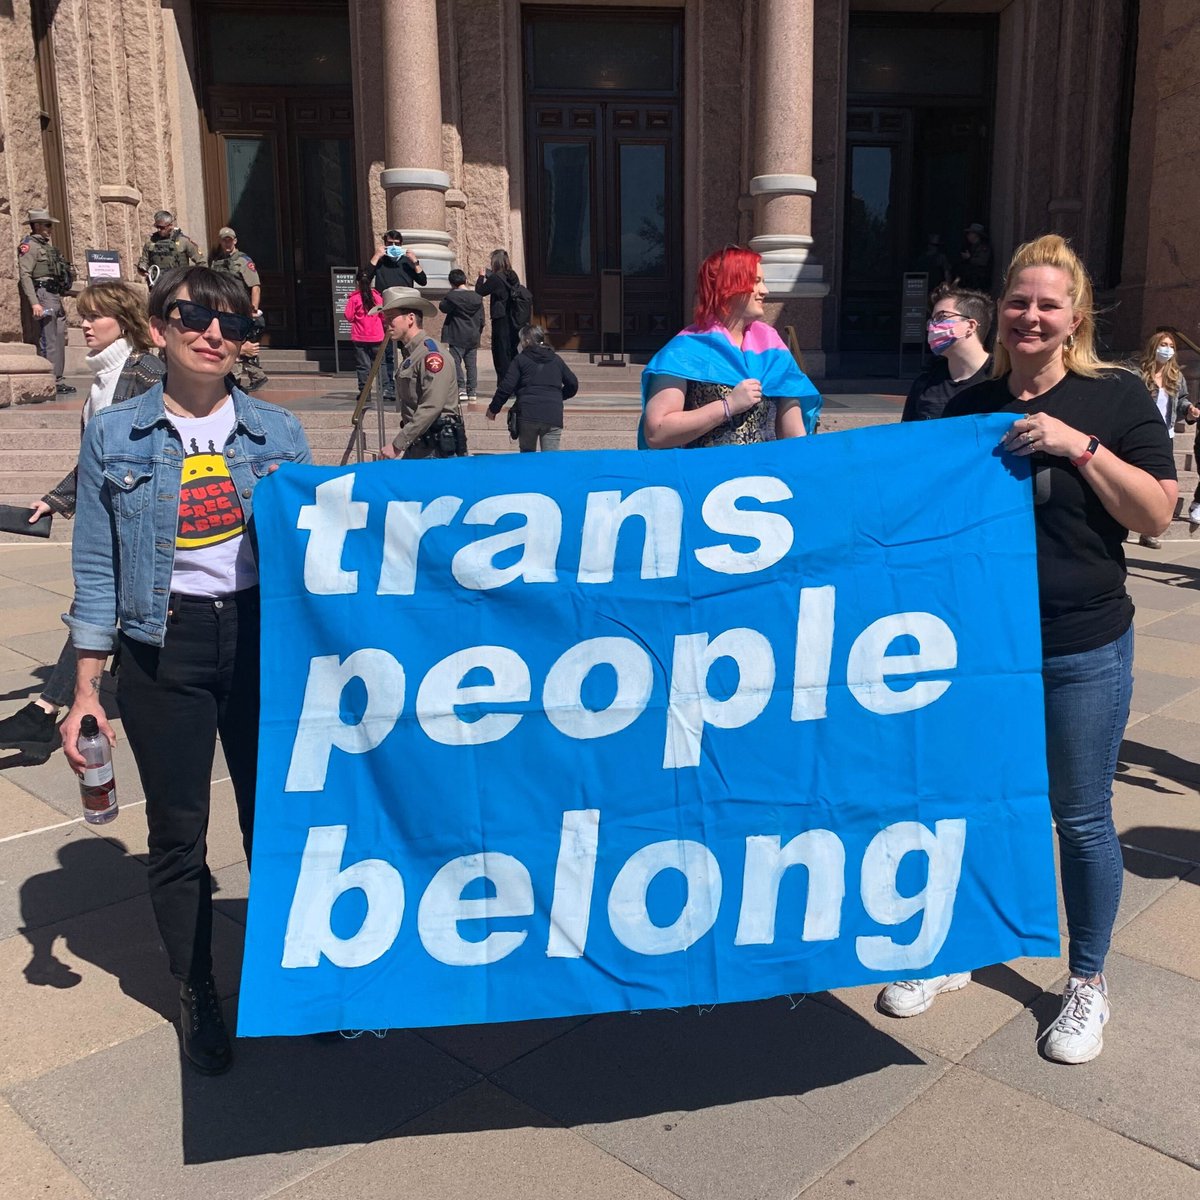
(202, 1028)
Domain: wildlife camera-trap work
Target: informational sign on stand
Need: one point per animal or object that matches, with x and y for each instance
(103, 264)
(914, 306)
(342, 285)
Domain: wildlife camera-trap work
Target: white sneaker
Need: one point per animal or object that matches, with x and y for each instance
(462, 395)
(1194, 519)
(1078, 1034)
(909, 997)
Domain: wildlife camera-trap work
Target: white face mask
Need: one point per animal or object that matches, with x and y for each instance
(1165, 353)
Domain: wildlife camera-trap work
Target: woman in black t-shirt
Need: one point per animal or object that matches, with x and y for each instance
(1102, 465)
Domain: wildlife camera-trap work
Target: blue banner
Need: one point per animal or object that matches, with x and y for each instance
(551, 734)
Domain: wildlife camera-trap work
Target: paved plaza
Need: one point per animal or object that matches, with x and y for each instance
(815, 1096)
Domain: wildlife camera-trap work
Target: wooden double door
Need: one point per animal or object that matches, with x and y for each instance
(603, 182)
(603, 168)
(280, 170)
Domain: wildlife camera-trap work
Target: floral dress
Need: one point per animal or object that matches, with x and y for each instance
(756, 424)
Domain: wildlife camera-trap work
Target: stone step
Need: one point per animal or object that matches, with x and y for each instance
(39, 460)
(43, 439)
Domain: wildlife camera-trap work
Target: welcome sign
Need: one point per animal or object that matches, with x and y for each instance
(570, 733)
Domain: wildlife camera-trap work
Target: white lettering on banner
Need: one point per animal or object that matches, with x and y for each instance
(321, 729)
(869, 663)
(772, 531)
(474, 565)
(574, 876)
(442, 907)
(441, 692)
(333, 514)
(406, 524)
(662, 511)
(825, 857)
(322, 880)
(328, 520)
(562, 697)
(691, 705)
(887, 906)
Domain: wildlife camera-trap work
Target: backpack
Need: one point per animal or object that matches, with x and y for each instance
(520, 306)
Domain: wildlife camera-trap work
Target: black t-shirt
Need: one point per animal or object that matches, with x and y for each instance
(1081, 561)
(932, 391)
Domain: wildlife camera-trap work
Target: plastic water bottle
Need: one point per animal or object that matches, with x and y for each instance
(97, 787)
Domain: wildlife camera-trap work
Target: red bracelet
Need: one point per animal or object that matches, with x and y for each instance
(1092, 446)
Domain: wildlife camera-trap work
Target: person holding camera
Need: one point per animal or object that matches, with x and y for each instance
(431, 422)
(394, 266)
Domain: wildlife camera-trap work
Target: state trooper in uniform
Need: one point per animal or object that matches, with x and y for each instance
(165, 248)
(248, 372)
(426, 388)
(45, 277)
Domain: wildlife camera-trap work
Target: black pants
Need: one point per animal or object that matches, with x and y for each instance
(504, 349)
(174, 700)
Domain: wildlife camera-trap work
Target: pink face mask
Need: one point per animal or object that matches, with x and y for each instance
(940, 334)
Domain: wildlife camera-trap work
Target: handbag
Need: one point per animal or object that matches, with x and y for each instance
(514, 421)
(16, 520)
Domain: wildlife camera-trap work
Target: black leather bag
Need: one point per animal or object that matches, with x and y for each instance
(514, 422)
(16, 520)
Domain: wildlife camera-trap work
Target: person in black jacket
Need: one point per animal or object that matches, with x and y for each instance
(496, 282)
(461, 330)
(541, 382)
(394, 266)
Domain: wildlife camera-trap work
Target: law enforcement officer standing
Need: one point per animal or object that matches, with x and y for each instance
(431, 423)
(166, 247)
(45, 277)
(248, 372)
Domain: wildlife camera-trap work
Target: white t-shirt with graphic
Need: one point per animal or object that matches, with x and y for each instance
(212, 557)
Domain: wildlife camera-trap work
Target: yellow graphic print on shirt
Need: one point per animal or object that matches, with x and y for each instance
(209, 509)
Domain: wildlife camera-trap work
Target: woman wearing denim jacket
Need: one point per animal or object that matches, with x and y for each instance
(165, 568)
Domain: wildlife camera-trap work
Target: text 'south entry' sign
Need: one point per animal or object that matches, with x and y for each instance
(571, 733)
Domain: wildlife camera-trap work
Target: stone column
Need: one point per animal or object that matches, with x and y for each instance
(783, 186)
(413, 181)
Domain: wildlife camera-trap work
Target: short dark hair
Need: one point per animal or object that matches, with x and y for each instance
(457, 277)
(979, 306)
(215, 289)
(393, 233)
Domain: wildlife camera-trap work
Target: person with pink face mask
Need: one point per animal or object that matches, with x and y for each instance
(960, 321)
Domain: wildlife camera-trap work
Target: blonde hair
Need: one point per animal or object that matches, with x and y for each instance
(1079, 351)
(1171, 374)
(124, 303)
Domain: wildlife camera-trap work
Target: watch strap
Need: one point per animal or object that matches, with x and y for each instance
(1092, 446)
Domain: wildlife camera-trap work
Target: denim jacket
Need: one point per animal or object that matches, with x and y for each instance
(127, 511)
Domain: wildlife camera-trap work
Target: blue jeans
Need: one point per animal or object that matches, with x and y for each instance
(464, 368)
(1087, 706)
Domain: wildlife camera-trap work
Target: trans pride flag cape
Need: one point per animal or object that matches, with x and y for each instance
(709, 356)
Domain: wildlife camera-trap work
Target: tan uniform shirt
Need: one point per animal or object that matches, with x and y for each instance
(239, 264)
(426, 386)
(34, 265)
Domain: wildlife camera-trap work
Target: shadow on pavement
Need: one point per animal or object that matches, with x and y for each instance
(71, 903)
(1160, 762)
(1175, 844)
(294, 1093)
(286, 1094)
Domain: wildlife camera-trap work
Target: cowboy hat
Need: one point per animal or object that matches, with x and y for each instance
(403, 298)
(41, 214)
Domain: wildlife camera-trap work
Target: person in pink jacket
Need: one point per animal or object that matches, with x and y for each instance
(366, 331)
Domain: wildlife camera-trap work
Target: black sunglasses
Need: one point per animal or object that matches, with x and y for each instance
(198, 317)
